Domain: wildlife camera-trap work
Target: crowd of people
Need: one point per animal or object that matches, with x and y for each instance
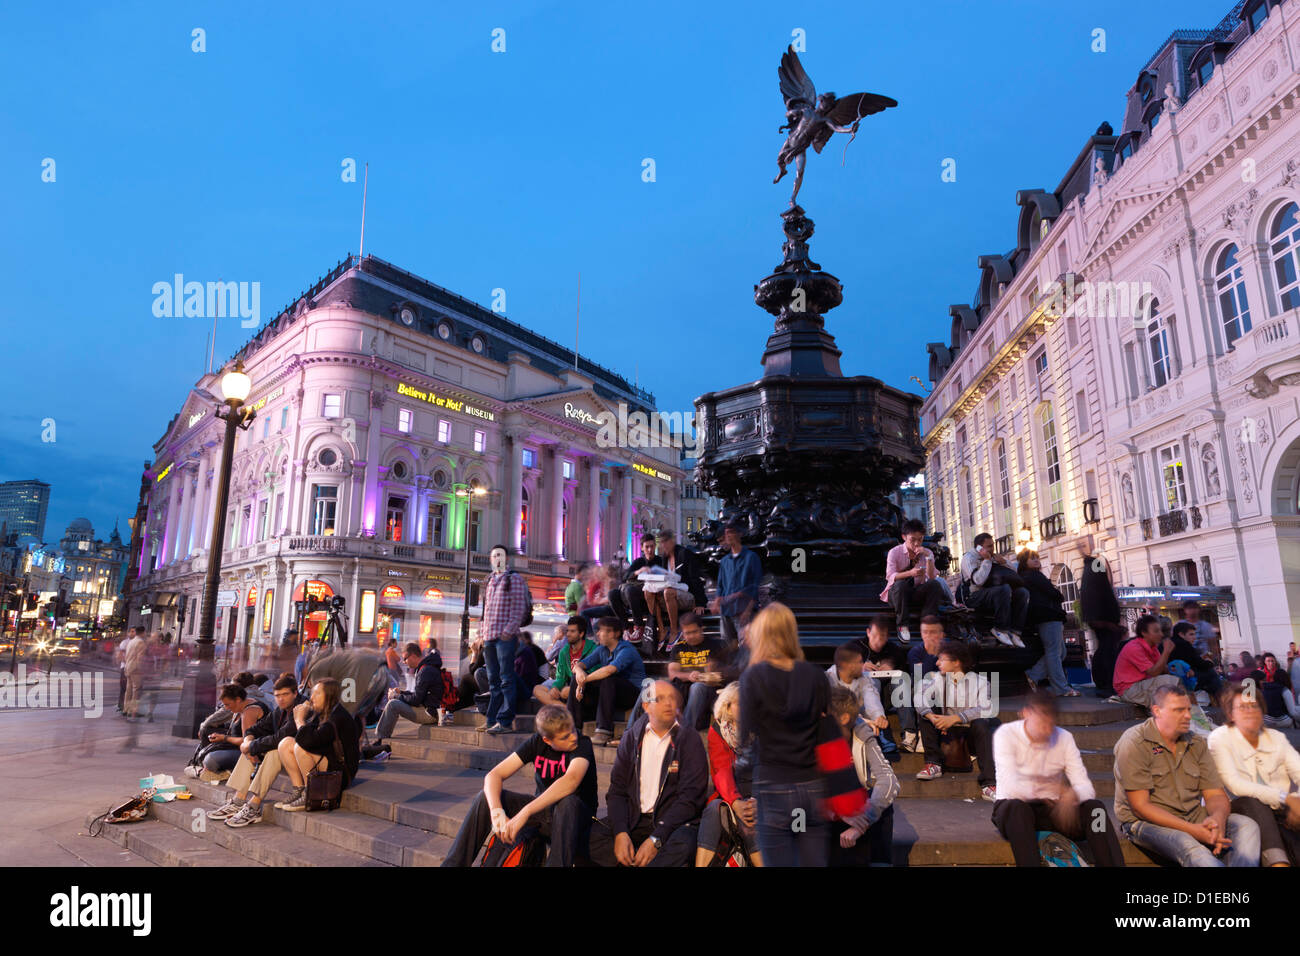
(747, 754)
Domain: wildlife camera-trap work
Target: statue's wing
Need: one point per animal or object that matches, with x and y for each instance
(850, 109)
(795, 85)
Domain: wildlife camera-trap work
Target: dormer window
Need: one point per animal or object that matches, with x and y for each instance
(1205, 72)
(1258, 15)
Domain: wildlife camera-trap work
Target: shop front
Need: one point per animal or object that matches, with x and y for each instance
(391, 616)
(311, 623)
(1217, 604)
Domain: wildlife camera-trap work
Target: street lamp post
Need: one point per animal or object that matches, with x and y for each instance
(200, 690)
(469, 492)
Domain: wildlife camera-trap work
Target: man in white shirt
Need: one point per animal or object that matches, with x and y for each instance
(1043, 785)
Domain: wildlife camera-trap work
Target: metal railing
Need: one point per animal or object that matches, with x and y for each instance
(1053, 526)
(1174, 522)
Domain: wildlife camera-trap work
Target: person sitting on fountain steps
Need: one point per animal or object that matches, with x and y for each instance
(992, 586)
(911, 578)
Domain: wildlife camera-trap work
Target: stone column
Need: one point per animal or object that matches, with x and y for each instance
(514, 490)
(217, 464)
(555, 485)
(171, 531)
(593, 509)
(202, 504)
(629, 546)
(372, 509)
(186, 529)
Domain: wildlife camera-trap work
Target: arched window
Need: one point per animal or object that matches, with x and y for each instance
(1065, 582)
(1234, 309)
(1051, 462)
(1285, 248)
(1159, 366)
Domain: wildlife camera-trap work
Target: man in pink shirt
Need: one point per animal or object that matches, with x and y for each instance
(1143, 663)
(910, 577)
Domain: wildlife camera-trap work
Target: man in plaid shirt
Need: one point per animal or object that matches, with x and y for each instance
(506, 600)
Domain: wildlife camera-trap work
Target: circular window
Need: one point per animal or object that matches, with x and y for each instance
(440, 478)
(327, 457)
(407, 315)
(476, 343)
(444, 330)
(399, 469)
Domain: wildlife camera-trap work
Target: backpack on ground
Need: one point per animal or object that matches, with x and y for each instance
(529, 849)
(450, 690)
(1056, 849)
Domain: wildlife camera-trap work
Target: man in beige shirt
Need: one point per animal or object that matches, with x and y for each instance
(1168, 795)
(135, 656)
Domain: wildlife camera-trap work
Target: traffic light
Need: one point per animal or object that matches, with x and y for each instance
(32, 600)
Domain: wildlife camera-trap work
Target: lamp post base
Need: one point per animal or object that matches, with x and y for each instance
(198, 698)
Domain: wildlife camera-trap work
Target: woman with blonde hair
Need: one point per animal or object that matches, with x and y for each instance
(782, 701)
(731, 808)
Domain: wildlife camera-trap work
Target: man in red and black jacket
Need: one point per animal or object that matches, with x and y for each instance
(657, 788)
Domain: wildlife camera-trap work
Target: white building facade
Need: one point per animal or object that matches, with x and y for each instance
(1130, 369)
(378, 396)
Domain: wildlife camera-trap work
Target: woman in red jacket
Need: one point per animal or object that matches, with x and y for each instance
(731, 781)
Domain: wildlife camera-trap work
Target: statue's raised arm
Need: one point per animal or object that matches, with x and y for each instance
(813, 119)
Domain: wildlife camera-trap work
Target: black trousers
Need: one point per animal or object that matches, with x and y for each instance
(1020, 820)
(980, 733)
(565, 825)
(1278, 843)
(874, 846)
(601, 699)
(678, 849)
(1009, 606)
(628, 602)
(1103, 658)
(905, 594)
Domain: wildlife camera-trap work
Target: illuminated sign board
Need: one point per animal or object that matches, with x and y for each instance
(653, 473)
(195, 418)
(163, 474)
(267, 603)
(366, 620)
(580, 414)
(252, 597)
(442, 401)
(392, 593)
(258, 405)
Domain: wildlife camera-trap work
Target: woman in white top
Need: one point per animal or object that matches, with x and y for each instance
(1259, 768)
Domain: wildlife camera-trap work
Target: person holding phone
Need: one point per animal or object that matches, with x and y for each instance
(911, 578)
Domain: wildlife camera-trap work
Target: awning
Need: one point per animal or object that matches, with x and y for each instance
(1173, 597)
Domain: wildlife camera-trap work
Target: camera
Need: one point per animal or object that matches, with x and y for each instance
(337, 602)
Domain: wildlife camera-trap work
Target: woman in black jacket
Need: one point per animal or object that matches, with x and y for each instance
(326, 739)
(1048, 617)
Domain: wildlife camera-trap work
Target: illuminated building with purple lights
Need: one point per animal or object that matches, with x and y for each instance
(377, 395)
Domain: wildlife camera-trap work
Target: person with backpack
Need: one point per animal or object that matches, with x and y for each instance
(259, 760)
(419, 705)
(559, 813)
(1042, 784)
(507, 606)
(220, 750)
(325, 739)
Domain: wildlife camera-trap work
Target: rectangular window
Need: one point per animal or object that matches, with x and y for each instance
(1040, 367)
(437, 521)
(480, 440)
(266, 427)
(324, 506)
(333, 405)
(475, 525)
(989, 351)
(1004, 479)
(995, 404)
(1015, 387)
(284, 418)
(404, 419)
(970, 500)
(1062, 259)
(1072, 332)
(1052, 463)
(530, 458)
(1081, 409)
(567, 466)
(395, 517)
(1172, 477)
(444, 431)
(1158, 343)
(263, 518)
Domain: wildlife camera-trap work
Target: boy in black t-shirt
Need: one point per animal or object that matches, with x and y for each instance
(695, 670)
(564, 767)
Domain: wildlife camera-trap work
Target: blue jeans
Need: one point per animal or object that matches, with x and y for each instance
(499, 656)
(1186, 850)
(791, 828)
(1049, 665)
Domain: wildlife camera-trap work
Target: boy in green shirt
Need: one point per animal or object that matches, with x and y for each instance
(579, 646)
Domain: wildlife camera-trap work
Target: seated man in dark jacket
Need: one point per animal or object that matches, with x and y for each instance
(326, 739)
(258, 755)
(657, 788)
(628, 600)
(419, 705)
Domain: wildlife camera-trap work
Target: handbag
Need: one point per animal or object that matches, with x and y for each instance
(956, 752)
(325, 787)
(845, 795)
(133, 811)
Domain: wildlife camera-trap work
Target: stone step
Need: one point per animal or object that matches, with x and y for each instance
(165, 845)
(1095, 761)
(961, 833)
(95, 851)
(954, 785)
(382, 841)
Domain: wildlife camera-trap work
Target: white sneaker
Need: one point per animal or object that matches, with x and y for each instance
(904, 634)
(1003, 637)
(911, 741)
(1015, 639)
(636, 635)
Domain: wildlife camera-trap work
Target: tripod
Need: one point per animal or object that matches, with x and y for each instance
(336, 627)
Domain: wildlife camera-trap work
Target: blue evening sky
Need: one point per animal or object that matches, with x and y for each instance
(515, 170)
